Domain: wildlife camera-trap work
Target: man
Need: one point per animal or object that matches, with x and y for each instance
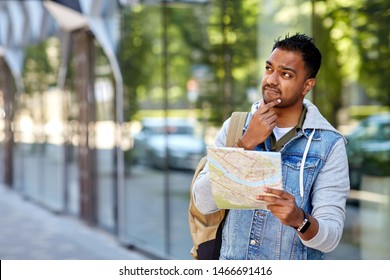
(306, 218)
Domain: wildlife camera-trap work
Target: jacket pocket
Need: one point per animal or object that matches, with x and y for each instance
(291, 169)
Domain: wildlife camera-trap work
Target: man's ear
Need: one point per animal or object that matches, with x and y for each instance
(309, 84)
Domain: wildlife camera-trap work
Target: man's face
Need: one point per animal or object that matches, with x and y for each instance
(285, 77)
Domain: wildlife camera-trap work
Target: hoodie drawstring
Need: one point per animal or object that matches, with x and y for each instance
(303, 162)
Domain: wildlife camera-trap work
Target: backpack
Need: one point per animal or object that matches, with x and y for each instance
(206, 230)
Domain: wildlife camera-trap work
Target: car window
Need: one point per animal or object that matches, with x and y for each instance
(385, 131)
(367, 132)
(171, 129)
(373, 131)
(180, 130)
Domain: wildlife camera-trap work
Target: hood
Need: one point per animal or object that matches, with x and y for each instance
(314, 119)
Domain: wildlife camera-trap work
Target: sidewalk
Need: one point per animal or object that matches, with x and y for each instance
(30, 232)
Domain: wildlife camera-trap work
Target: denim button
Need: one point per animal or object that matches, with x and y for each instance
(253, 242)
(259, 213)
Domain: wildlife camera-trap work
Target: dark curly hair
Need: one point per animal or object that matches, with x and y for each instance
(303, 44)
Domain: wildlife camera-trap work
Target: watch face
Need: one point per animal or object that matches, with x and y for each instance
(304, 226)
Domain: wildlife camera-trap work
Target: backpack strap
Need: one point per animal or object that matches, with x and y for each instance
(237, 123)
(206, 230)
(236, 127)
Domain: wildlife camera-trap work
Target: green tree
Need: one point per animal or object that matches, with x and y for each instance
(372, 25)
(327, 93)
(220, 37)
(40, 64)
(353, 36)
(232, 35)
(139, 54)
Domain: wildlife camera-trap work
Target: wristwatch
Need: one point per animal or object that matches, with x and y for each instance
(305, 224)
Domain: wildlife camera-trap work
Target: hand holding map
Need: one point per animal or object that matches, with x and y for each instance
(238, 176)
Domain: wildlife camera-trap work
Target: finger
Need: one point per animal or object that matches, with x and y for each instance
(268, 198)
(272, 118)
(264, 108)
(271, 104)
(276, 192)
(279, 193)
(265, 198)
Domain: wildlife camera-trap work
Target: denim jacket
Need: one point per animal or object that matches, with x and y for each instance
(257, 234)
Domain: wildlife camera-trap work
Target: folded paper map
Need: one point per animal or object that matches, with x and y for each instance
(238, 176)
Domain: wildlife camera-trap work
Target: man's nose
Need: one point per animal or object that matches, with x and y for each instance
(273, 78)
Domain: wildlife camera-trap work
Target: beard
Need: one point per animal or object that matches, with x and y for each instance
(270, 95)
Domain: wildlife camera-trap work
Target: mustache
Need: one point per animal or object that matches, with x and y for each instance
(272, 88)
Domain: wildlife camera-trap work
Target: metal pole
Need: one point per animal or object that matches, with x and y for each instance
(313, 34)
(6, 86)
(227, 61)
(120, 195)
(86, 154)
(165, 76)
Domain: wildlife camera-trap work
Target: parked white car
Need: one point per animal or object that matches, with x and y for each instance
(171, 141)
(368, 148)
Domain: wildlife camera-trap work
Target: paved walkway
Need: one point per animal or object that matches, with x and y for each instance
(30, 232)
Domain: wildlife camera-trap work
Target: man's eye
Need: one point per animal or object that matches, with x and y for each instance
(287, 75)
(268, 68)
